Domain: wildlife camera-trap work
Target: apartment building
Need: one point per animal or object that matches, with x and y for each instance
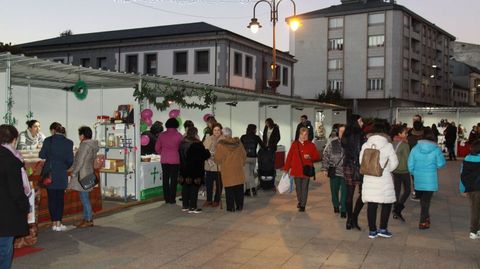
(379, 54)
(466, 84)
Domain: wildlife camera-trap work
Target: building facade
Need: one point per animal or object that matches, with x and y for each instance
(197, 52)
(380, 55)
(467, 53)
(466, 84)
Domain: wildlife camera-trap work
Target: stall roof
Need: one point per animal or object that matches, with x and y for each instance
(440, 109)
(47, 74)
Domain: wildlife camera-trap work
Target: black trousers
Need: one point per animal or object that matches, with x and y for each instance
(234, 197)
(451, 151)
(212, 177)
(400, 180)
(56, 203)
(425, 198)
(190, 195)
(353, 214)
(170, 177)
(372, 215)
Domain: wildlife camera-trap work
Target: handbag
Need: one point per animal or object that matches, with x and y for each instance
(332, 169)
(308, 170)
(88, 181)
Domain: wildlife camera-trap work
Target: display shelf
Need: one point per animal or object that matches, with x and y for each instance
(118, 173)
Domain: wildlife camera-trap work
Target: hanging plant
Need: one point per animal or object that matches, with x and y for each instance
(177, 94)
(8, 117)
(80, 89)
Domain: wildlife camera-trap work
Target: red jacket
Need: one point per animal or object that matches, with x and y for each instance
(293, 162)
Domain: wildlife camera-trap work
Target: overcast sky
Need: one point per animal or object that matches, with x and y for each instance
(30, 20)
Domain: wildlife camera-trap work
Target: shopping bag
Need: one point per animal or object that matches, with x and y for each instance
(284, 184)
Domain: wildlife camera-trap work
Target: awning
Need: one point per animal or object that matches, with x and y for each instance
(42, 73)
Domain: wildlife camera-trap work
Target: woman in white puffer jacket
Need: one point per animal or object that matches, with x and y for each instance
(380, 190)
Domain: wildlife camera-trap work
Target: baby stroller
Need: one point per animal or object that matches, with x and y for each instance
(266, 169)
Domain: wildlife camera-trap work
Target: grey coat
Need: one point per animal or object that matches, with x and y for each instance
(83, 163)
(333, 155)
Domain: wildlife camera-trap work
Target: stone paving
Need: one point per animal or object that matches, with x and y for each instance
(269, 233)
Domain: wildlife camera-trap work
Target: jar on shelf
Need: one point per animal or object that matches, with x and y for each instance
(111, 140)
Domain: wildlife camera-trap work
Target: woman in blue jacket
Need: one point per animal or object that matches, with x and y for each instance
(423, 162)
(470, 184)
(57, 150)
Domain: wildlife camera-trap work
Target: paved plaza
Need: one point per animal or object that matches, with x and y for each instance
(269, 233)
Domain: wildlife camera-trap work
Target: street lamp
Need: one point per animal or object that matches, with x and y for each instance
(254, 26)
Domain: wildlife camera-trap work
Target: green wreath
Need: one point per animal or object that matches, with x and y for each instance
(80, 89)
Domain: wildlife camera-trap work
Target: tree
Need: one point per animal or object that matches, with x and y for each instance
(332, 97)
(4, 47)
(66, 32)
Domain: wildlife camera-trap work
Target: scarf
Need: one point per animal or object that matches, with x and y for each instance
(26, 184)
(398, 138)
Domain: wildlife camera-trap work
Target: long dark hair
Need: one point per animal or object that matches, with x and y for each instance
(8, 133)
(251, 129)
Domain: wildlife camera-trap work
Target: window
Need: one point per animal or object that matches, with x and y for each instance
(376, 41)
(335, 84)
(335, 23)
(202, 58)
(375, 62)
(378, 18)
(406, 42)
(277, 72)
(335, 44)
(335, 64)
(248, 66)
(285, 76)
(85, 62)
(406, 62)
(132, 64)
(102, 62)
(406, 85)
(151, 64)
(406, 21)
(180, 62)
(237, 64)
(375, 84)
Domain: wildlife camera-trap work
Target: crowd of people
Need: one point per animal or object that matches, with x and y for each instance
(408, 162)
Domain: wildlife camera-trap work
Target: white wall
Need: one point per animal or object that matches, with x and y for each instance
(238, 117)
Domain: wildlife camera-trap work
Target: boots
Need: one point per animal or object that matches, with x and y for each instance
(355, 222)
(397, 212)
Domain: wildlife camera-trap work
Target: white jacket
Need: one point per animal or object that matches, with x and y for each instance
(380, 189)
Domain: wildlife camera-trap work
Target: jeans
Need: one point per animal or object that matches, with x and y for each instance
(338, 184)
(170, 177)
(425, 198)
(6, 251)
(351, 213)
(372, 215)
(210, 178)
(474, 211)
(55, 204)
(87, 207)
(234, 197)
(190, 196)
(249, 169)
(398, 181)
(301, 186)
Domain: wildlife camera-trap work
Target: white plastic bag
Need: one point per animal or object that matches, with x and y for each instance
(284, 184)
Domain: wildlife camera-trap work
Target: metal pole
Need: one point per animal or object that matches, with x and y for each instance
(274, 49)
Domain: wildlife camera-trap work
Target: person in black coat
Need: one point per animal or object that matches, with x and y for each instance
(57, 151)
(14, 203)
(352, 142)
(304, 123)
(251, 141)
(192, 169)
(157, 128)
(271, 135)
(450, 139)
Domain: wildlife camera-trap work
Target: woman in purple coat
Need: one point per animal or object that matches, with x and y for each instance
(168, 144)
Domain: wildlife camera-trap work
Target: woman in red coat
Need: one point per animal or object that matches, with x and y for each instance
(306, 150)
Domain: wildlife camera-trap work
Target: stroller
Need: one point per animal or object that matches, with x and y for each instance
(266, 169)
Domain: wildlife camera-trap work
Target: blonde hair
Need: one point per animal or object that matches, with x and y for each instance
(303, 130)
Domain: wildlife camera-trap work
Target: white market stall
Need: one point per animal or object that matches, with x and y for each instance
(35, 86)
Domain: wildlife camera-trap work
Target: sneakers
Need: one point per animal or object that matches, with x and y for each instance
(59, 228)
(384, 233)
(475, 235)
(372, 234)
(195, 211)
(184, 209)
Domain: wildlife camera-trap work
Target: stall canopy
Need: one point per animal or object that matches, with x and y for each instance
(35, 72)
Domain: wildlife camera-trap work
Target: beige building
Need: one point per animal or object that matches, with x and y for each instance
(380, 55)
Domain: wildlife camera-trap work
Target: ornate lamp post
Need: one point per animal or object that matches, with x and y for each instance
(254, 26)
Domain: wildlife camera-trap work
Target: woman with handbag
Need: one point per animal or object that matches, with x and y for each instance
(332, 166)
(57, 151)
(14, 188)
(352, 142)
(299, 164)
(82, 168)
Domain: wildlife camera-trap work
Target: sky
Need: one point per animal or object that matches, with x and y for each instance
(30, 20)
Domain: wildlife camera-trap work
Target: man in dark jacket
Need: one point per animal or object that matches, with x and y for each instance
(450, 139)
(304, 122)
(14, 203)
